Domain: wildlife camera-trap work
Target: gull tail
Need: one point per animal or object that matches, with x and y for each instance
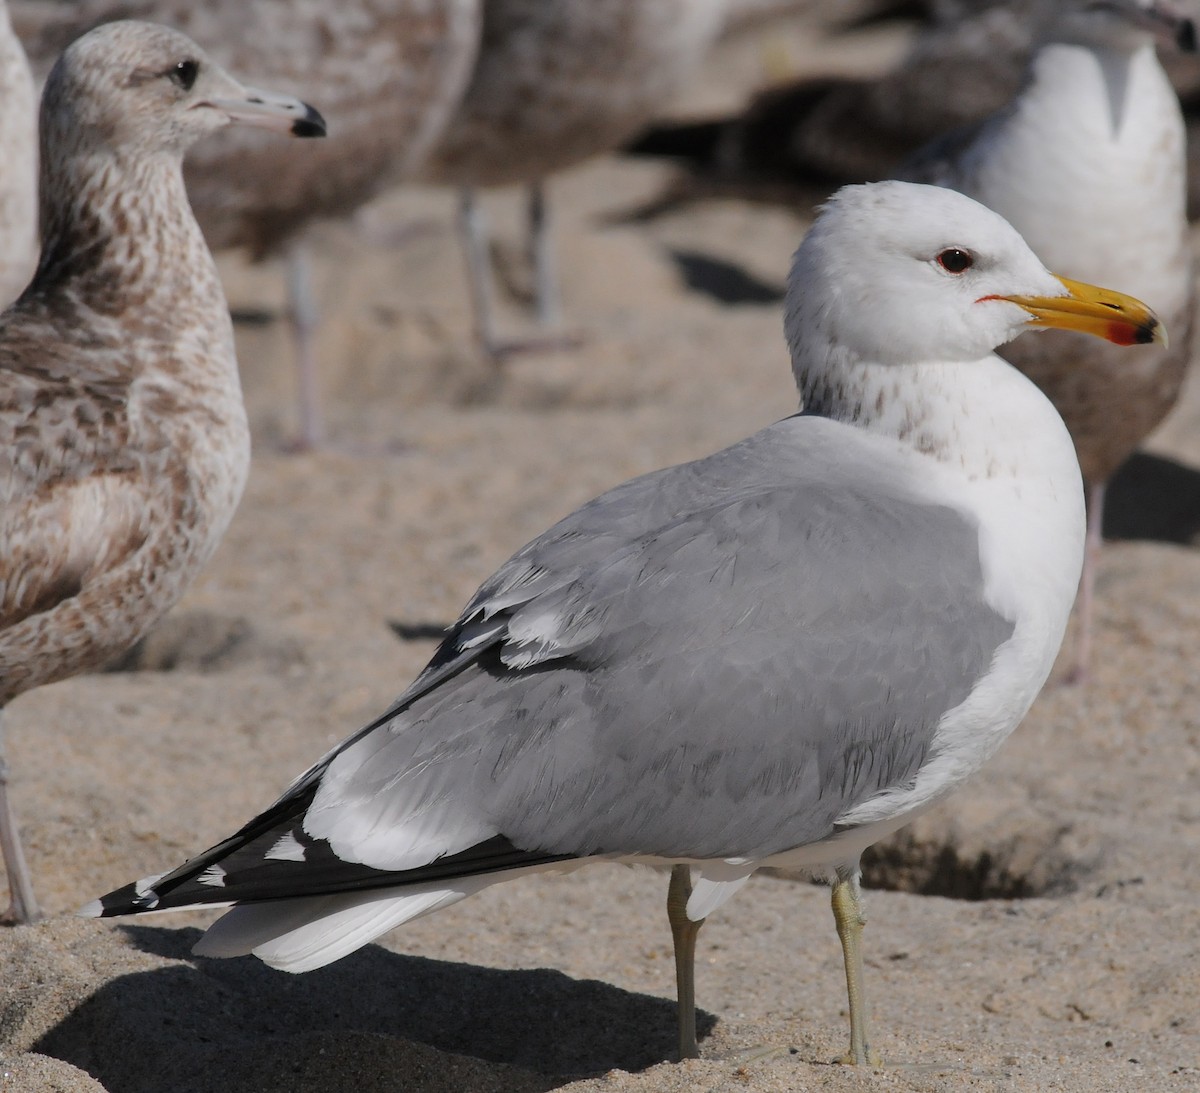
(296, 904)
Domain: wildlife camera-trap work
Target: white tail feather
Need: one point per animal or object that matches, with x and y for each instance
(303, 934)
(298, 935)
(709, 892)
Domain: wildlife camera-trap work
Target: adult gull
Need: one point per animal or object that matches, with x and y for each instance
(1089, 164)
(123, 438)
(774, 655)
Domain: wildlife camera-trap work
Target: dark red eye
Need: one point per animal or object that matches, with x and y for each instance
(953, 260)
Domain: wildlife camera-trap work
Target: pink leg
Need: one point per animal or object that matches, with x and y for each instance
(23, 906)
(1081, 669)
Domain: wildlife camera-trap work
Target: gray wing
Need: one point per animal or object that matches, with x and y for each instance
(713, 661)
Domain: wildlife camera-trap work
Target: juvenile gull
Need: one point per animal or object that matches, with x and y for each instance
(18, 179)
(387, 73)
(773, 655)
(1089, 164)
(123, 438)
(555, 84)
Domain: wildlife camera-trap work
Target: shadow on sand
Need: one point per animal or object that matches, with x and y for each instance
(217, 1025)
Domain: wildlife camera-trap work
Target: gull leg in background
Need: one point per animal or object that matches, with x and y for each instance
(303, 317)
(1081, 669)
(848, 915)
(541, 257)
(23, 906)
(473, 226)
(683, 935)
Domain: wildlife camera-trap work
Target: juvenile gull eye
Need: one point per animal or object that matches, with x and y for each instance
(184, 74)
(953, 260)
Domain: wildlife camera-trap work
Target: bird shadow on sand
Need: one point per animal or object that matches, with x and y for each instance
(197, 1024)
(724, 281)
(1152, 498)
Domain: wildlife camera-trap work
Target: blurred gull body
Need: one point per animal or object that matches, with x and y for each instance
(1089, 164)
(555, 84)
(18, 180)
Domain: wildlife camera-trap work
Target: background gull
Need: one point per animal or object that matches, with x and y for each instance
(18, 180)
(387, 74)
(1089, 164)
(773, 655)
(123, 439)
(818, 132)
(555, 84)
(805, 135)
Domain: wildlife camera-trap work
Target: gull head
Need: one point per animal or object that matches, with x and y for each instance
(142, 89)
(893, 273)
(1123, 24)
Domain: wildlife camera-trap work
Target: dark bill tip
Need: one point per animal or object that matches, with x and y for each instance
(1153, 331)
(311, 125)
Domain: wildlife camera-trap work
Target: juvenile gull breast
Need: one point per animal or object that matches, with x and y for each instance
(18, 179)
(775, 654)
(123, 438)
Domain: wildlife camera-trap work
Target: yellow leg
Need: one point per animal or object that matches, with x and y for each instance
(848, 915)
(684, 933)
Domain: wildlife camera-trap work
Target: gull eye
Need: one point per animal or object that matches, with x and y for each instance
(184, 74)
(953, 260)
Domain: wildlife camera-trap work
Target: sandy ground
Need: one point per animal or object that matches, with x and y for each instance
(1042, 928)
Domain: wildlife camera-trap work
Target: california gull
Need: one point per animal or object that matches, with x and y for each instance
(123, 439)
(388, 74)
(1089, 164)
(774, 655)
(18, 180)
(555, 84)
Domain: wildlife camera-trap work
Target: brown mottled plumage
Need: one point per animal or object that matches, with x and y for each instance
(18, 180)
(556, 83)
(123, 439)
(387, 73)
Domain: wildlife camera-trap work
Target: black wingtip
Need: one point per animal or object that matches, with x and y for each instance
(131, 899)
(311, 125)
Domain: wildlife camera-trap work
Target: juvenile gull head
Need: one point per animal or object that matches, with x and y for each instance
(773, 655)
(123, 438)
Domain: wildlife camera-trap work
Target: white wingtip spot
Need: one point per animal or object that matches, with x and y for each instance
(286, 849)
(213, 876)
(146, 884)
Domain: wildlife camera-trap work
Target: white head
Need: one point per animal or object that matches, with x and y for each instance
(141, 89)
(893, 273)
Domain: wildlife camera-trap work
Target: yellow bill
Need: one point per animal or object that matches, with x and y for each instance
(1098, 311)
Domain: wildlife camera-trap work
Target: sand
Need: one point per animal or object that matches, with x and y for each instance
(1042, 929)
